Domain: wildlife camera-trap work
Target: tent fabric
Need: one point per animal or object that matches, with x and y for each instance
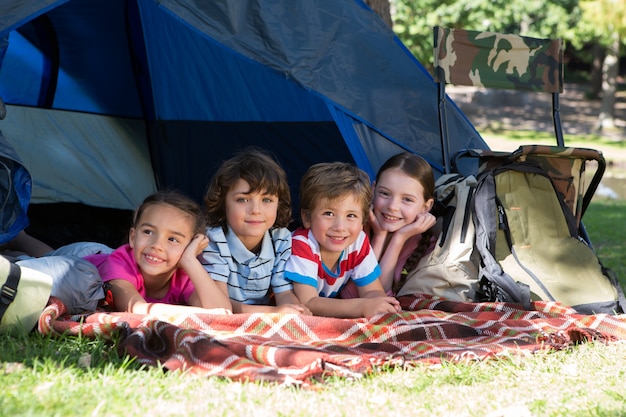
(108, 100)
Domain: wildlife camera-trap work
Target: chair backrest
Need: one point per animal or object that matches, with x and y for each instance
(496, 60)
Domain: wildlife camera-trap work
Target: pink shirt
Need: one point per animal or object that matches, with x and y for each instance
(120, 264)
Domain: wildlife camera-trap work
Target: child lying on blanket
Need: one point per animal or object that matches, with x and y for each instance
(400, 223)
(331, 248)
(248, 209)
(158, 271)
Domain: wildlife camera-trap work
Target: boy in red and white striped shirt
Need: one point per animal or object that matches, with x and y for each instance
(331, 248)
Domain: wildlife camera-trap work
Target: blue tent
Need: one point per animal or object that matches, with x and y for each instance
(108, 100)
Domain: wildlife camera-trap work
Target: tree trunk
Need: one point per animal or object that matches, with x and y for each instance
(595, 80)
(610, 70)
(382, 9)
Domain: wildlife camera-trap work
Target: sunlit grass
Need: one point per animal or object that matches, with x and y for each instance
(548, 138)
(605, 221)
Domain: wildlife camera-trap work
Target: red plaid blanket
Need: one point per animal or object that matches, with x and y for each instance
(300, 349)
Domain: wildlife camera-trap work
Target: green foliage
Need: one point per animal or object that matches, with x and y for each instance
(605, 19)
(414, 20)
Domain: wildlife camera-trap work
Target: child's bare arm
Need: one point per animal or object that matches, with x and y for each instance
(127, 298)
(389, 258)
(388, 261)
(287, 302)
(207, 294)
(282, 307)
(24, 243)
(344, 308)
(377, 235)
(378, 302)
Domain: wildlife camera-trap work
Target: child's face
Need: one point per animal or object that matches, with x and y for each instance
(335, 224)
(159, 240)
(250, 215)
(398, 199)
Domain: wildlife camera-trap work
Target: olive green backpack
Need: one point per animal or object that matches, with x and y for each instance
(527, 234)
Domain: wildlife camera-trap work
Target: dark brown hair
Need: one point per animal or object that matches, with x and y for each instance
(261, 172)
(175, 199)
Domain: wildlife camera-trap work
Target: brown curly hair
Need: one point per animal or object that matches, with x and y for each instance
(418, 168)
(263, 174)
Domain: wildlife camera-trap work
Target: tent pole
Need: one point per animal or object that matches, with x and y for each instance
(443, 121)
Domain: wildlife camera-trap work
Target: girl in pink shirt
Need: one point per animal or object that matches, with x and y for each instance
(158, 271)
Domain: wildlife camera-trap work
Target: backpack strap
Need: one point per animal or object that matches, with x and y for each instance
(494, 283)
(8, 291)
(503, 224)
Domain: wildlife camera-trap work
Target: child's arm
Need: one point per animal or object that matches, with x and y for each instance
(24, 243)
(288, 302)
(207, 293)
(285, 305)
(389, 258)
(375, 303)
(127, 298)
(377, 234)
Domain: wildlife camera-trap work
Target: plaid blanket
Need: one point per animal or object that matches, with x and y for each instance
(293, 349)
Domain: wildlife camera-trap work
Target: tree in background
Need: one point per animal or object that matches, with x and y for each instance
(381, 7)
(607, 21)
(600, 23)
(414, 19)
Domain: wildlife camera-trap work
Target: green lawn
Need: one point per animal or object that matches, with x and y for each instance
(605, 221)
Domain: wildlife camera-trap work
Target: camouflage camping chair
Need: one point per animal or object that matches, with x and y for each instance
(506, 61)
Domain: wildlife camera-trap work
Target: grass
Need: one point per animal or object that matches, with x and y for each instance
(605, 222)
(585, 381)
(531, 136)
(73, 376)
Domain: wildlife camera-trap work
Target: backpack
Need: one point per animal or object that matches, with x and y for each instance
(530, 248)
(15, 191)
(451, 269)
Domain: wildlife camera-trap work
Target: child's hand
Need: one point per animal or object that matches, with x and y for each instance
(194, 248)
(217, 311)
(423, 222)
(380, 305)
(373, 223)
(293, 309)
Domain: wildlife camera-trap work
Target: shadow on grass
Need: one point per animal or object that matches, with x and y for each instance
(19, 350)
